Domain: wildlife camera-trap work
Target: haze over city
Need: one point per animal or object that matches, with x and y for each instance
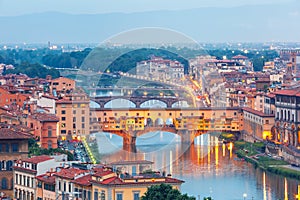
(95, 21)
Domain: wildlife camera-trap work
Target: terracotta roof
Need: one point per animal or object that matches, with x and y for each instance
(37, 159)
(256, 112)
(70, 173)
(103, 173)
(45, 117)
(46, 178)
(84, 180)
(6, 133)
(129, 162)
(118, 181)
(288, 92)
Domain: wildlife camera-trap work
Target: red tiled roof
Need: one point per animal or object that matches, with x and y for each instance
(70, 173)
(102, 173)
(37, 159)
(8, 134)
(46, 179)
(131, 162)
(84, 180)
(288, 92)
(44, 117)
(118, 181)
(256, 112)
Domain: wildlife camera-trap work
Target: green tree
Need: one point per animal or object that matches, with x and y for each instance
(164, 192)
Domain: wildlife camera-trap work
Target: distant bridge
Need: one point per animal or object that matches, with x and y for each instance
(138, 100)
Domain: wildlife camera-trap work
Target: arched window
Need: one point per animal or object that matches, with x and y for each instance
(4, 184)
(49, 144)
(49, 131)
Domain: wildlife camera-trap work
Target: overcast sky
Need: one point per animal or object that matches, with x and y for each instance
(19, 7)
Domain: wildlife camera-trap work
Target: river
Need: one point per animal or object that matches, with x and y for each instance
(207, 167)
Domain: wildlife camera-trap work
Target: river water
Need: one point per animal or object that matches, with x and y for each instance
(207, 167)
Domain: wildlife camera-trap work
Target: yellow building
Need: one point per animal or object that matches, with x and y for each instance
(74, 116)
(257, 124)
(230, 119)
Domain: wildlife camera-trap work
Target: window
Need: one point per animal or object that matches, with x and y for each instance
(17, 180)
(59, 185)
(49, 144)
(63, 112)
(15, 147)
(39, 184)
(83, 112)
(74, 126)
(102, 195)
(49, 131)
(267, 121)
(4, 184)
(74, 119)
(63, 131)
(7, 148)
(136, 196)
(82, 126)
(27, 181)
(63, 119)
(96, 194)
(74, 112)
(1, 147)
(63, 125)
(119, 196)
(82, 119)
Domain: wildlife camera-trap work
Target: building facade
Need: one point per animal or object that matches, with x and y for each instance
(287, 117)
(13, 146)
(74, 116)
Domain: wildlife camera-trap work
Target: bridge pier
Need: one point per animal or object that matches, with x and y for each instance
(187, 136)
(129, 143)
(129, 140)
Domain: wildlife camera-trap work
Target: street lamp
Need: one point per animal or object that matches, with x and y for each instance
(245, 196)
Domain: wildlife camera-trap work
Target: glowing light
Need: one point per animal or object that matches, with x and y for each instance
(223, 149)
(298, 194)
(217, 156)
(171, 163)
(264, 186)
(286, 196)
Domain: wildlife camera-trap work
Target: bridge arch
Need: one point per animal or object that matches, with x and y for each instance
(180, 104)
(94, 104)
(119, 103)
(153, 103)
(149, 122)
(159, 122)
(169, 121)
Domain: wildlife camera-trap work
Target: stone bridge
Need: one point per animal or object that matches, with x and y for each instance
(129, 137)
(138, 100)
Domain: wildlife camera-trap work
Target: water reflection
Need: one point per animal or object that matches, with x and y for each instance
(207, 167)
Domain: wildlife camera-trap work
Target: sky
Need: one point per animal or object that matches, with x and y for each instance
(21, 7)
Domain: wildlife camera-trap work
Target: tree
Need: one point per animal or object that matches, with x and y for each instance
(164, 192)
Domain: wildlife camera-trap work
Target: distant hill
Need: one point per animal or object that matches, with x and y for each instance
(247, 23)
